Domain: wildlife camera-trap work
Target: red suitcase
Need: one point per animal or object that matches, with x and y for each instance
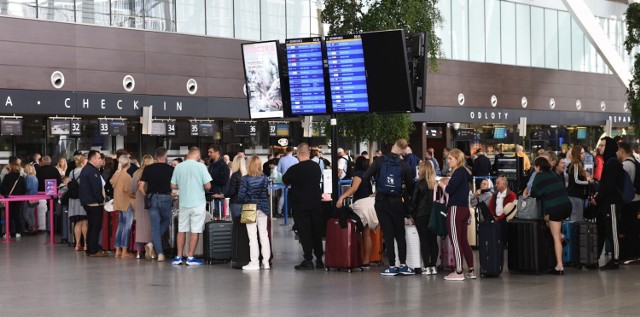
(342, 246)
(109, 228)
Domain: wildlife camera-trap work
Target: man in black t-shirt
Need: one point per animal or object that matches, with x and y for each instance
(304, 199)
(157, 178)
(47, 171)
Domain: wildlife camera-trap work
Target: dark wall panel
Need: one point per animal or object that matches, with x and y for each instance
(479, 81)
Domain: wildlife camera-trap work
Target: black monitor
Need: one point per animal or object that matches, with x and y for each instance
(118, 128)
(500, 133)
(11, 127)
(581, 134)
(60, 127)
(388, 81)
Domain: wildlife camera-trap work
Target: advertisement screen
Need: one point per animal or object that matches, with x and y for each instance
(262, 80)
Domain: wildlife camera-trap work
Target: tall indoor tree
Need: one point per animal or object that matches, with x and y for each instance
(355, 16)
(632, 41)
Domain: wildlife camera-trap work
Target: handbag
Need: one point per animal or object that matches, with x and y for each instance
(528, 208)
(438, 219)
(12, 188)
(249, 213)
(250, 210)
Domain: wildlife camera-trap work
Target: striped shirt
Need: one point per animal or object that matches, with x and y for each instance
(551, 190)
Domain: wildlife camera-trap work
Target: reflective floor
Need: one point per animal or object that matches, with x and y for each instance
(41, 280)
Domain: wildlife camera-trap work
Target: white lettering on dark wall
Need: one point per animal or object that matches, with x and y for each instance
(118, 104)
(135, 105)
(102, 104)
(85, 103)
(66, 103)
(620, 119)
(9, 102)
(489, 115)
(178, 106)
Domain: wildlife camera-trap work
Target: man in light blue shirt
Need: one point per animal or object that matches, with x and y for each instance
(283, 165)
(192, 179)
(287, 161)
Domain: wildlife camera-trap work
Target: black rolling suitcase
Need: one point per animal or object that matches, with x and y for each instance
(216, 240)
(239, 245)
(530, 248)
(585, 244)
(490, 248)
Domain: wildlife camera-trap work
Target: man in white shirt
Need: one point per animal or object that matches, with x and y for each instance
(343, 160)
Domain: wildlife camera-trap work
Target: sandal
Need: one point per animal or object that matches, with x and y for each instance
(78, 248)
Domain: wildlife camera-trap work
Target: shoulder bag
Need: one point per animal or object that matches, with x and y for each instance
(250, 210)
(438, 219)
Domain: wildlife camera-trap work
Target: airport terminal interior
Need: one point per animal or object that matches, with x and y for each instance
(44, 280)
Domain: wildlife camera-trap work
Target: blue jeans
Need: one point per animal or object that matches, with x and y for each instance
(160, 214)
(236, 210)
(125, 220)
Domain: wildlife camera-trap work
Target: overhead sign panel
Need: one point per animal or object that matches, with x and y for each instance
(306, 76)
(347, 74)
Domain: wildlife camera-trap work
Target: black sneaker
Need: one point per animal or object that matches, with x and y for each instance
(319, 264)
(612, 265)
(305, 265)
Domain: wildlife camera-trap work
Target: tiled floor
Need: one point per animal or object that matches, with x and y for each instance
(41, 280)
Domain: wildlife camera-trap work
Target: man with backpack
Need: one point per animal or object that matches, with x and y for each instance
(391, 173)
(629, 226)
(344, 165)
(609, 199)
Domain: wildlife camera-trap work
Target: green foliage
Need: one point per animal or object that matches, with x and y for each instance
(356, 16)
(632, 41)
(386, 128)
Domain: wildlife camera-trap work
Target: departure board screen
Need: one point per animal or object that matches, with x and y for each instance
(347, 76)
(306, 76)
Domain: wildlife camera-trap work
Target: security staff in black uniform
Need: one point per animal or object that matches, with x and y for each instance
(92, 199)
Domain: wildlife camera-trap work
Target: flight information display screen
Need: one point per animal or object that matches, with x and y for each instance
(347, 75)
(306, 76)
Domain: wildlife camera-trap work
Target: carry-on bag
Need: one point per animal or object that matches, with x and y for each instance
(529, 209)
(490, 249)
(585, 244)
(414, 257)
(567, 248)
(376, 247)
(109, 228)
(217, 236)
(343, 246)
(530, 246)
(472, 228)
(447, 256)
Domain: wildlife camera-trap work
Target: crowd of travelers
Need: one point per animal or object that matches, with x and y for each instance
(572, 185)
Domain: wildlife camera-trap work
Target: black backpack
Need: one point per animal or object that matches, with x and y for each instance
(636, 179)
(349, 171)
(389, 179)
(73, 188)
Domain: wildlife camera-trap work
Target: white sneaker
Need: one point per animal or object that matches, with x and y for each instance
(266, 265)
(426, 271)
(18, 235)
(252, 266)
(434, 270)
(148, 251)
